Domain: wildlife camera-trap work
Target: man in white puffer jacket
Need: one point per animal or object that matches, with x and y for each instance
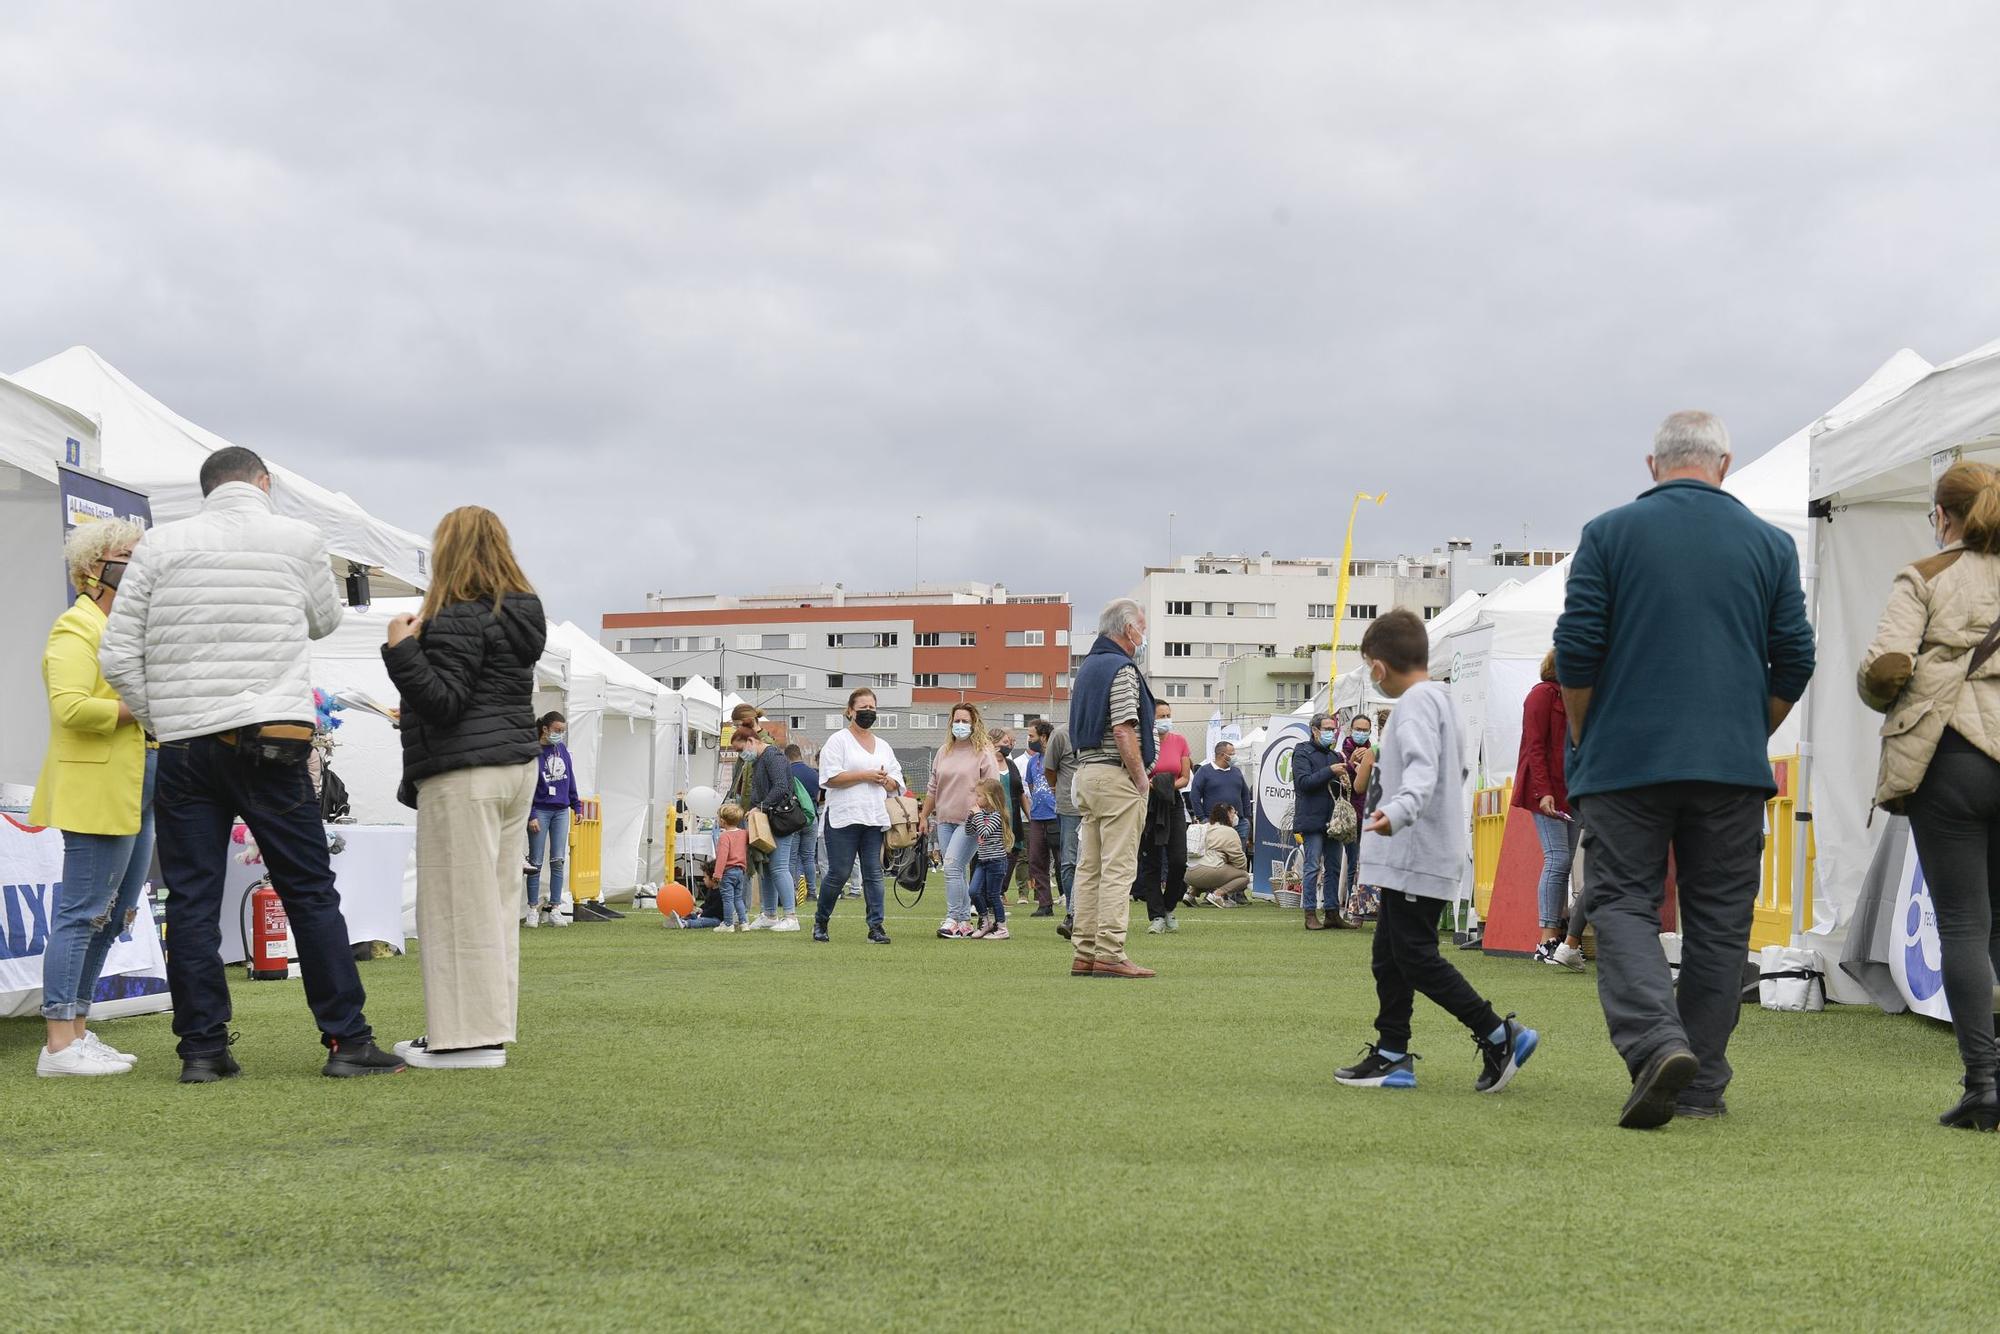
(210, 648)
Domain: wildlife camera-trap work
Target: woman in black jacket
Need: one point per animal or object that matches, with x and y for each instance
(466, 671)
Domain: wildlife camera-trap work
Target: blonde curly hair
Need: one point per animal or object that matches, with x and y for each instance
(89, 543)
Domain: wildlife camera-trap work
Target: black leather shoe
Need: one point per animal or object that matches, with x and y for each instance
(1043, 912)
(1979, 1109)
(819, 932)
(877, 936)
(209, 1069)
(346, 1060)
(1657, 1088)
(1063, 928)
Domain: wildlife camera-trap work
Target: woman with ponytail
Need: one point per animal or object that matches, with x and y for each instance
(1933, 670)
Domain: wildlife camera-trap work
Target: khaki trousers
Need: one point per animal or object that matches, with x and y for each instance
(1218, 879)
(469, 828)
(1107, 860)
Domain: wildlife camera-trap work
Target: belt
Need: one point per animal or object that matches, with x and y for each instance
(267, 732)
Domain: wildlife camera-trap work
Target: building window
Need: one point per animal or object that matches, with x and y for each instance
(1062, 639)
(1362, 611)
(1062, 681)
(770, 682)
(677, 683)
(1176, 650)
(1208, 690)
(1025, 639)
(1180, 609)
(923, 722)
(884, 722)
(862, 639)
(1430, 613)
(1319, 611)
(946, 680)
(947, 639)
(1266, 610)
(1174, 689)
(1024, 680)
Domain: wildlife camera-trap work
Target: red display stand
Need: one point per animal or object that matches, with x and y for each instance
(1513, 925)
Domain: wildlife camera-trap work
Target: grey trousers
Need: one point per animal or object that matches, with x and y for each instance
(1716, 835)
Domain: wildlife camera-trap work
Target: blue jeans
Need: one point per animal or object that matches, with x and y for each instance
(805, 860)
(203, 786)
(1313, 870)
(1066, 863)
(779, 892)
(553, 837)
(1559, 839)
(102, 877)
(958, 849)
(734, 913)
(989, 888)
(1343, 867)
(846, 844)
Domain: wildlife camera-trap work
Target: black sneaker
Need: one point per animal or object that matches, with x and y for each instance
(1068, 924)
(1043, 912)
(877, 936)
(209, 1069)
(1657, 1088)
(1546, 951)
(346, 1060)
(1700, 1111)
(1376, 1071)
(819, 931)
(1503, 1060)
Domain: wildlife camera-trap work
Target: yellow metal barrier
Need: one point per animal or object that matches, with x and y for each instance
(586, 852)
(1489, 831)
(1772, 922)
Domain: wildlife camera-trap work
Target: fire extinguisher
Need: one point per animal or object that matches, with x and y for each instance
(269, 931)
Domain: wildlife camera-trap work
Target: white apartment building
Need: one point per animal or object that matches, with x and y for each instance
(1204, 611)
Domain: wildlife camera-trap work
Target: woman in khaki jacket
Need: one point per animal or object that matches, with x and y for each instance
(1932, 670)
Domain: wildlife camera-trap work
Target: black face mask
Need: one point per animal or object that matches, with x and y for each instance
(1004, 751)
(864, 719)
(1035, 746)
(113, 575)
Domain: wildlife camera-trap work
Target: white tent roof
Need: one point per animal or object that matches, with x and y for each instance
(148, 446)
(35, 428)
(1878, 444)
(628, 692)
(703, 704)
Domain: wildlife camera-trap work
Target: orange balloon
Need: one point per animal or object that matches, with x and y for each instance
(676, 898)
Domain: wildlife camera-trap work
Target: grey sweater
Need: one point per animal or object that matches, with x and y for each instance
(1423, 794)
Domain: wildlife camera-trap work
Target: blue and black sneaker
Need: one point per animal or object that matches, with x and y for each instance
(1376, 1071)
(1504, 1059)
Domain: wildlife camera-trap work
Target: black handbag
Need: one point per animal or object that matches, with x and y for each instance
(787, 817)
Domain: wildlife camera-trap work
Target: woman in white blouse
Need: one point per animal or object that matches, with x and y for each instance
(859, 771)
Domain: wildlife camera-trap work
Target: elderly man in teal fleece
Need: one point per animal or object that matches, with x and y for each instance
(1683, 644)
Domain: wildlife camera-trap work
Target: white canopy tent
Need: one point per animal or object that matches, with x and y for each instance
(149, 447)
(1871, 469)
(35, 432)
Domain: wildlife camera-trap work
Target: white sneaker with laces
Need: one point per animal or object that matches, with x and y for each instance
(533, 919)
(104, 1048)
(554, 917)
(77, 1058)
(416, 1052)
(1567, 957)
(1217, 901)
(763, 923)
(1157, 927)
(786, 924)
(1173, 923)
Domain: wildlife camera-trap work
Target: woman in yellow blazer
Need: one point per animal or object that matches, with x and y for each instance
(97, 788)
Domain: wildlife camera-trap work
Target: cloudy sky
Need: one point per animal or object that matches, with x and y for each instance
(708, 296)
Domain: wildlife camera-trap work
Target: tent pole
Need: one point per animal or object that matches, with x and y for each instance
(1802, 798)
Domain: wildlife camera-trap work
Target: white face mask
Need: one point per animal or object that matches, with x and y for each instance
(1162, 726)
(962, 731)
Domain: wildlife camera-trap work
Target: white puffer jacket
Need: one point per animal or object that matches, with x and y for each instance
(215, 616)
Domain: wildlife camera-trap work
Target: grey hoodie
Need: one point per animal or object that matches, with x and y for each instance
(1423, 794)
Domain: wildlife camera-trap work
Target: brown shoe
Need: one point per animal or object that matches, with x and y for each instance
(1081, 967)
(1123, 968)
(1312, 921)
(1338, 922)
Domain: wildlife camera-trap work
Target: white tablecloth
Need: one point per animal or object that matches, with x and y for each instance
(368, 872)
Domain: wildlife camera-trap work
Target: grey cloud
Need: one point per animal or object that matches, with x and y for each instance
(721, 295)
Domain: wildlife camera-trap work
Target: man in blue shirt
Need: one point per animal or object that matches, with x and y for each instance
(1683, 644)
(1044, 822)
(1219, 782)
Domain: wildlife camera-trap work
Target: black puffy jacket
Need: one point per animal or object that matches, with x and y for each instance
(468, 687)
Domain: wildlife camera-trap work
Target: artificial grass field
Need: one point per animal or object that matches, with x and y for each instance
(706, 1133)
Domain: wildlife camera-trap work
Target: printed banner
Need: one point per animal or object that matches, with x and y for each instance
(87, 499)
(31, 863)
(1274, 844)
(1914, 955)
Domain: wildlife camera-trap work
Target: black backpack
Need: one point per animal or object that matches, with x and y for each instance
(333, 800)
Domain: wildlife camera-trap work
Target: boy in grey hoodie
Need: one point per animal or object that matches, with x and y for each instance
(1413, 848)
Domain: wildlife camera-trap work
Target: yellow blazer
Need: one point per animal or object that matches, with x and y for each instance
(95, 774)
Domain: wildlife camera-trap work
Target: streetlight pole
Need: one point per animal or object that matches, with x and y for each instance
(1171, 516)
(920, 551)
(1340, 591)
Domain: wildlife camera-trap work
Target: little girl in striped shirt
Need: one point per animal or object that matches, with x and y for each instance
(995, 839)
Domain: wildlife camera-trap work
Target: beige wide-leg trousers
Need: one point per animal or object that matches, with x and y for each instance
(469, 829)
(1107, 861)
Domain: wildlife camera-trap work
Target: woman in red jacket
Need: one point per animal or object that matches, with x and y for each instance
(1539, 788)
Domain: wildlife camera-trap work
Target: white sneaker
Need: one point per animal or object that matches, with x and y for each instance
(555, 917)
(1173, 922)
(787, 924)
(1157, 927)
(763, 923)
(416, 1053)
(77, 1058)
(1566, 957)
(533, 919)
(103, 1048)
(1216, 901)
